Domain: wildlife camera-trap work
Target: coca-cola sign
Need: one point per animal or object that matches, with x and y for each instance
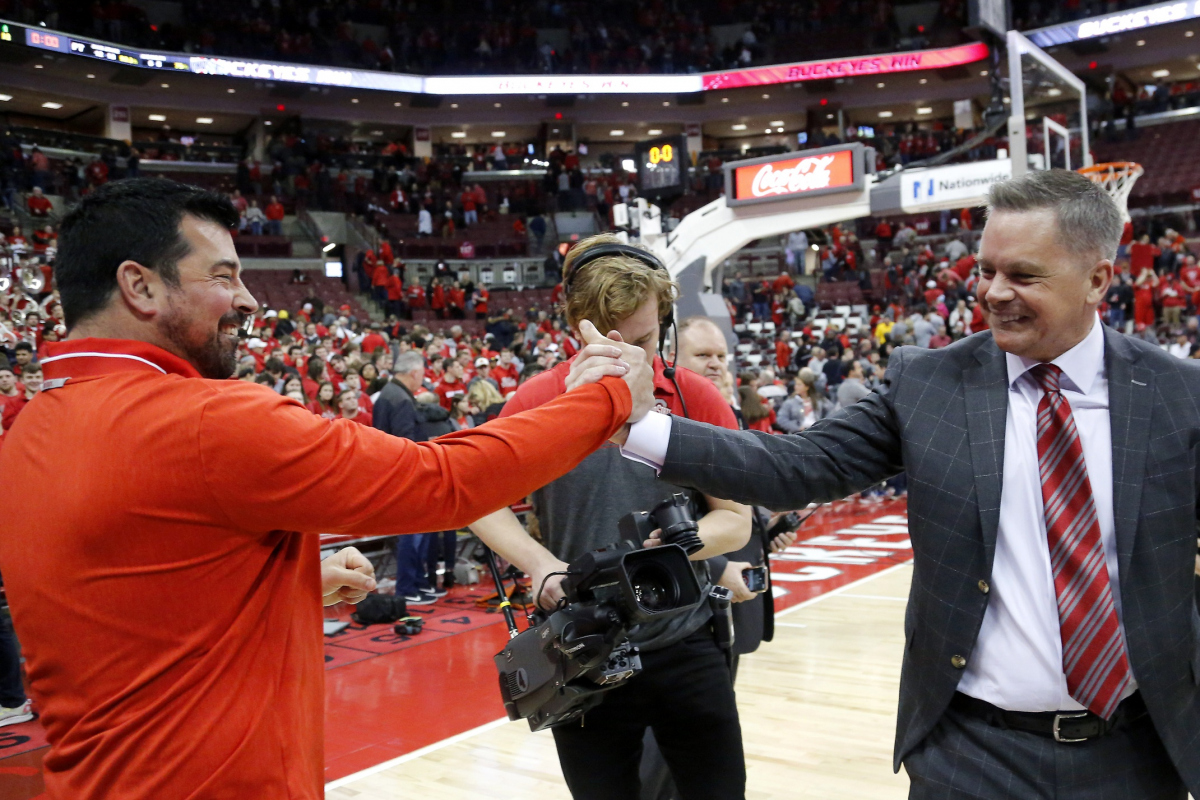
(790, 175)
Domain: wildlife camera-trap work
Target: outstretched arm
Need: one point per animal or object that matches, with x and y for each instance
(850, 451)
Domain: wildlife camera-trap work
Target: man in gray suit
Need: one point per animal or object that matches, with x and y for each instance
(1053, 640)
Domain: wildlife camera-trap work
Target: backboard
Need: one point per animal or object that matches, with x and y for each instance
(1047, 124)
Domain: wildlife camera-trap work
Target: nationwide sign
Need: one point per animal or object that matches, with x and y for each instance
(954, 186)
(1109, 24)
(785, 177)
(847, 67)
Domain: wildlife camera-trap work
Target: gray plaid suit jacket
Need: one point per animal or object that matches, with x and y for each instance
(940, 417)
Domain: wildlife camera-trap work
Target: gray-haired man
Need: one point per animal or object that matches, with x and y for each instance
(1053, 640)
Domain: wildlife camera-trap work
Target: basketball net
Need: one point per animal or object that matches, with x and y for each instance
(1117, 178)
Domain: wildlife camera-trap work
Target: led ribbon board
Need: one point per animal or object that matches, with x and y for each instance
(847, 67)
(1109, 24)
(46, 39)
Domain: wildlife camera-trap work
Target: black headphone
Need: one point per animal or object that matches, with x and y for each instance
(652, 261)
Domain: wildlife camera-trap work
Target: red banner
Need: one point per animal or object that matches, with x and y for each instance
(794, 176)
(847, 67)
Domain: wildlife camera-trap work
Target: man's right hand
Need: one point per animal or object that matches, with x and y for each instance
(551, 590)
(732, 580)
(597, 360)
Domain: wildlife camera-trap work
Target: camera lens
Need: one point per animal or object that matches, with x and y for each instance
(654, 587)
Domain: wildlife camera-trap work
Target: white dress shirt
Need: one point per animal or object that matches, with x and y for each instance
(1017, 660)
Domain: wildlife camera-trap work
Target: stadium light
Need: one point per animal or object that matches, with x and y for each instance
(628, 165)
(204, 120)
(655, 132)
(885, 114)
(458, 134)
(498, 134)
(158, 118)
(776, 123)
(4, 98)
(328, 247)
(738, 127)
(617, 132)
(1160, 73)
(51, 105)
(925, 110)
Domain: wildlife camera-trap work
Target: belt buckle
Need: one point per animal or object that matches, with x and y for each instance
(1058, 718)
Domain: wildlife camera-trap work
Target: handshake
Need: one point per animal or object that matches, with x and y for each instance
(612, 356)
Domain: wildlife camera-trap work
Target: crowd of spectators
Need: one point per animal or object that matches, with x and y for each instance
(507, 36)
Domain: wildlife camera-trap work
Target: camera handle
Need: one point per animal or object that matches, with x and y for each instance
(505, 605)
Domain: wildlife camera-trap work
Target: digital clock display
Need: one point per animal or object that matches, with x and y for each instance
(662, 166)
(47, 41)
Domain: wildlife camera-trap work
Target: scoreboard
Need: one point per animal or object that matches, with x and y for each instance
(62, 43)
(662, 166)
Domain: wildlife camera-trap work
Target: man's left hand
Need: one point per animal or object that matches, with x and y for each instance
(783, 541)
(346, 577)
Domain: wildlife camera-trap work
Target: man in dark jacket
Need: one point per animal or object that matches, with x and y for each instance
(396, 412)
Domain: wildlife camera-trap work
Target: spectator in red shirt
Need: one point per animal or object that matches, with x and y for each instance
(479, 299)
(373, 340)
(457, 301)
(759, 415)
(1190, 280)
(451, 385)
(783, 352)
(97, 173)
(275, 215)
(1143, 294)
(437, 300)
(470, 214)
(38, 204)
(337, 368)
(31, 384)
(316, 375)
(379, 284)
(12, 396)
(932, 293)
(1142, 255)
(416, 296)
(354, 381)
(324, 403)
(348, 408)
(505, 373)
(23, 351)
(395, 293)
(1173, 300)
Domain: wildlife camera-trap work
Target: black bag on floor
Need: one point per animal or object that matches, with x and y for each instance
(375, 609)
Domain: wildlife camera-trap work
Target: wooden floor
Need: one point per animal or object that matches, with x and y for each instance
(818, 711)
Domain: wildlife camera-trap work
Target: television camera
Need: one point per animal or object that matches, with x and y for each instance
(561, 666)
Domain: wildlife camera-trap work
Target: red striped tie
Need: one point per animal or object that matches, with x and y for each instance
(1094, 658)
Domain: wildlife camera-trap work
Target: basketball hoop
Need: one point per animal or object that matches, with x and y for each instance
(1117, 178)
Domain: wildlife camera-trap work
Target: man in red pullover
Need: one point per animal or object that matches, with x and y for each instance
(189, 491)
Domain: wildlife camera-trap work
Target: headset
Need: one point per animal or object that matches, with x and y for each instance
(652, 261)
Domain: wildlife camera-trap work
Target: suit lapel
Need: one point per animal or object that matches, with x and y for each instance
(1130, 400)
(986, 390)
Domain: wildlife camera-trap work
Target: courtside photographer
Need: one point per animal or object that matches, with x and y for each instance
(684, 692)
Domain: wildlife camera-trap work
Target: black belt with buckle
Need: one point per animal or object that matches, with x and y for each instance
(1061, 726)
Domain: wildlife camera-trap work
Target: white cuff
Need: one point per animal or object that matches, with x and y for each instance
(648, 440)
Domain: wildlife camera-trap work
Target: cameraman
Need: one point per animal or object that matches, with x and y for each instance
(685, 691)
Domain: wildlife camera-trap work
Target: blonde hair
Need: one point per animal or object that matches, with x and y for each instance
(610, 288)
(483, 394)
